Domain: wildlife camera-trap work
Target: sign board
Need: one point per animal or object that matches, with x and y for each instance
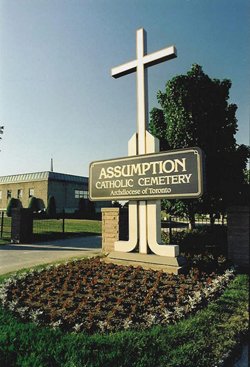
(175, 174)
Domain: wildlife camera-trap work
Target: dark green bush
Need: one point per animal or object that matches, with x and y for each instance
(200, 240)
(82, 205)
(34, 204)
(51, 208)
(13, 204)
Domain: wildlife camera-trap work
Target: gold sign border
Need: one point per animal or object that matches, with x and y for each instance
(199, 155)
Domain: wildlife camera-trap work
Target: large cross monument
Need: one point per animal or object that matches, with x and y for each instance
(146, 175)
(144, 216)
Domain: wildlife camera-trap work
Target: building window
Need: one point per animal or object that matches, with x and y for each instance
(31, 192)
(19, 193)
(81, 194)
(8, 194)
(1, 195)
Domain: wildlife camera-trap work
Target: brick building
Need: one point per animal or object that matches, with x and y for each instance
(66, 189)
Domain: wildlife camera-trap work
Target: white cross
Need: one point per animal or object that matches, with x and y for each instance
(142, 62)
(140, 65)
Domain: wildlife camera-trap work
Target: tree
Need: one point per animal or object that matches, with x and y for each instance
(13, 204)
(195, 112)
(51, 208)
(247, 176)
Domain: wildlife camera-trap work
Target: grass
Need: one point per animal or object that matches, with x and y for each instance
(49, 229)
(70, 226)
(6, 231)
(202, 340)
(5, 240)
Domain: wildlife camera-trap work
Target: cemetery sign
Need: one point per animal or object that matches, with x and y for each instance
(172, 174)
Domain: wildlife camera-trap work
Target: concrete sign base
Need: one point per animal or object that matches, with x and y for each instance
(173, 265)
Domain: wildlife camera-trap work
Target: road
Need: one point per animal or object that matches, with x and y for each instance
(18, 256)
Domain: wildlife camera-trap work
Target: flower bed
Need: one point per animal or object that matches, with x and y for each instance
(92, 296)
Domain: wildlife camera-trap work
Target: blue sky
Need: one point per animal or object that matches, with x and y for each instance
(57, 98)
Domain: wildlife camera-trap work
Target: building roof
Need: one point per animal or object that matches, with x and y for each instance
(42, 176)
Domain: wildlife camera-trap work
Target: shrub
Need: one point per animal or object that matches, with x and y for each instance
(90, 210)
(13, 204)
(82, 208)
(34, 204)
(51, 208)
(202, 240)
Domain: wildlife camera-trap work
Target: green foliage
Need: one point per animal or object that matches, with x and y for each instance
(157, 127)
(185, 207)
(51, 208)
(201, 340)
(196, 112)
(247, 176)
(200, 240)
(13, 204)
(34, 204)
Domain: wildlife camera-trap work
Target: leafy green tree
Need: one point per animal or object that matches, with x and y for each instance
(196, 112)
(51, 208)
(247, 176)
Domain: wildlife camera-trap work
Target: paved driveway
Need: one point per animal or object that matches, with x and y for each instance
(17, 256)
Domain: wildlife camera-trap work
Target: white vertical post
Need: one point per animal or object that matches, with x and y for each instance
(141, 84)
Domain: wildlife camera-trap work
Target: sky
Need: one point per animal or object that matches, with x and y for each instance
(57, 97)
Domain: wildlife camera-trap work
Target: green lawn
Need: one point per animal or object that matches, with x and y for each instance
(4, 241)
(48, 229)
(83, 225)
(71, 226)
(6, 231)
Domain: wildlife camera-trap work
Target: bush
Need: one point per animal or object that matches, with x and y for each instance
(200, 241)
(34, 204)
(13, 204)
(81, 207)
